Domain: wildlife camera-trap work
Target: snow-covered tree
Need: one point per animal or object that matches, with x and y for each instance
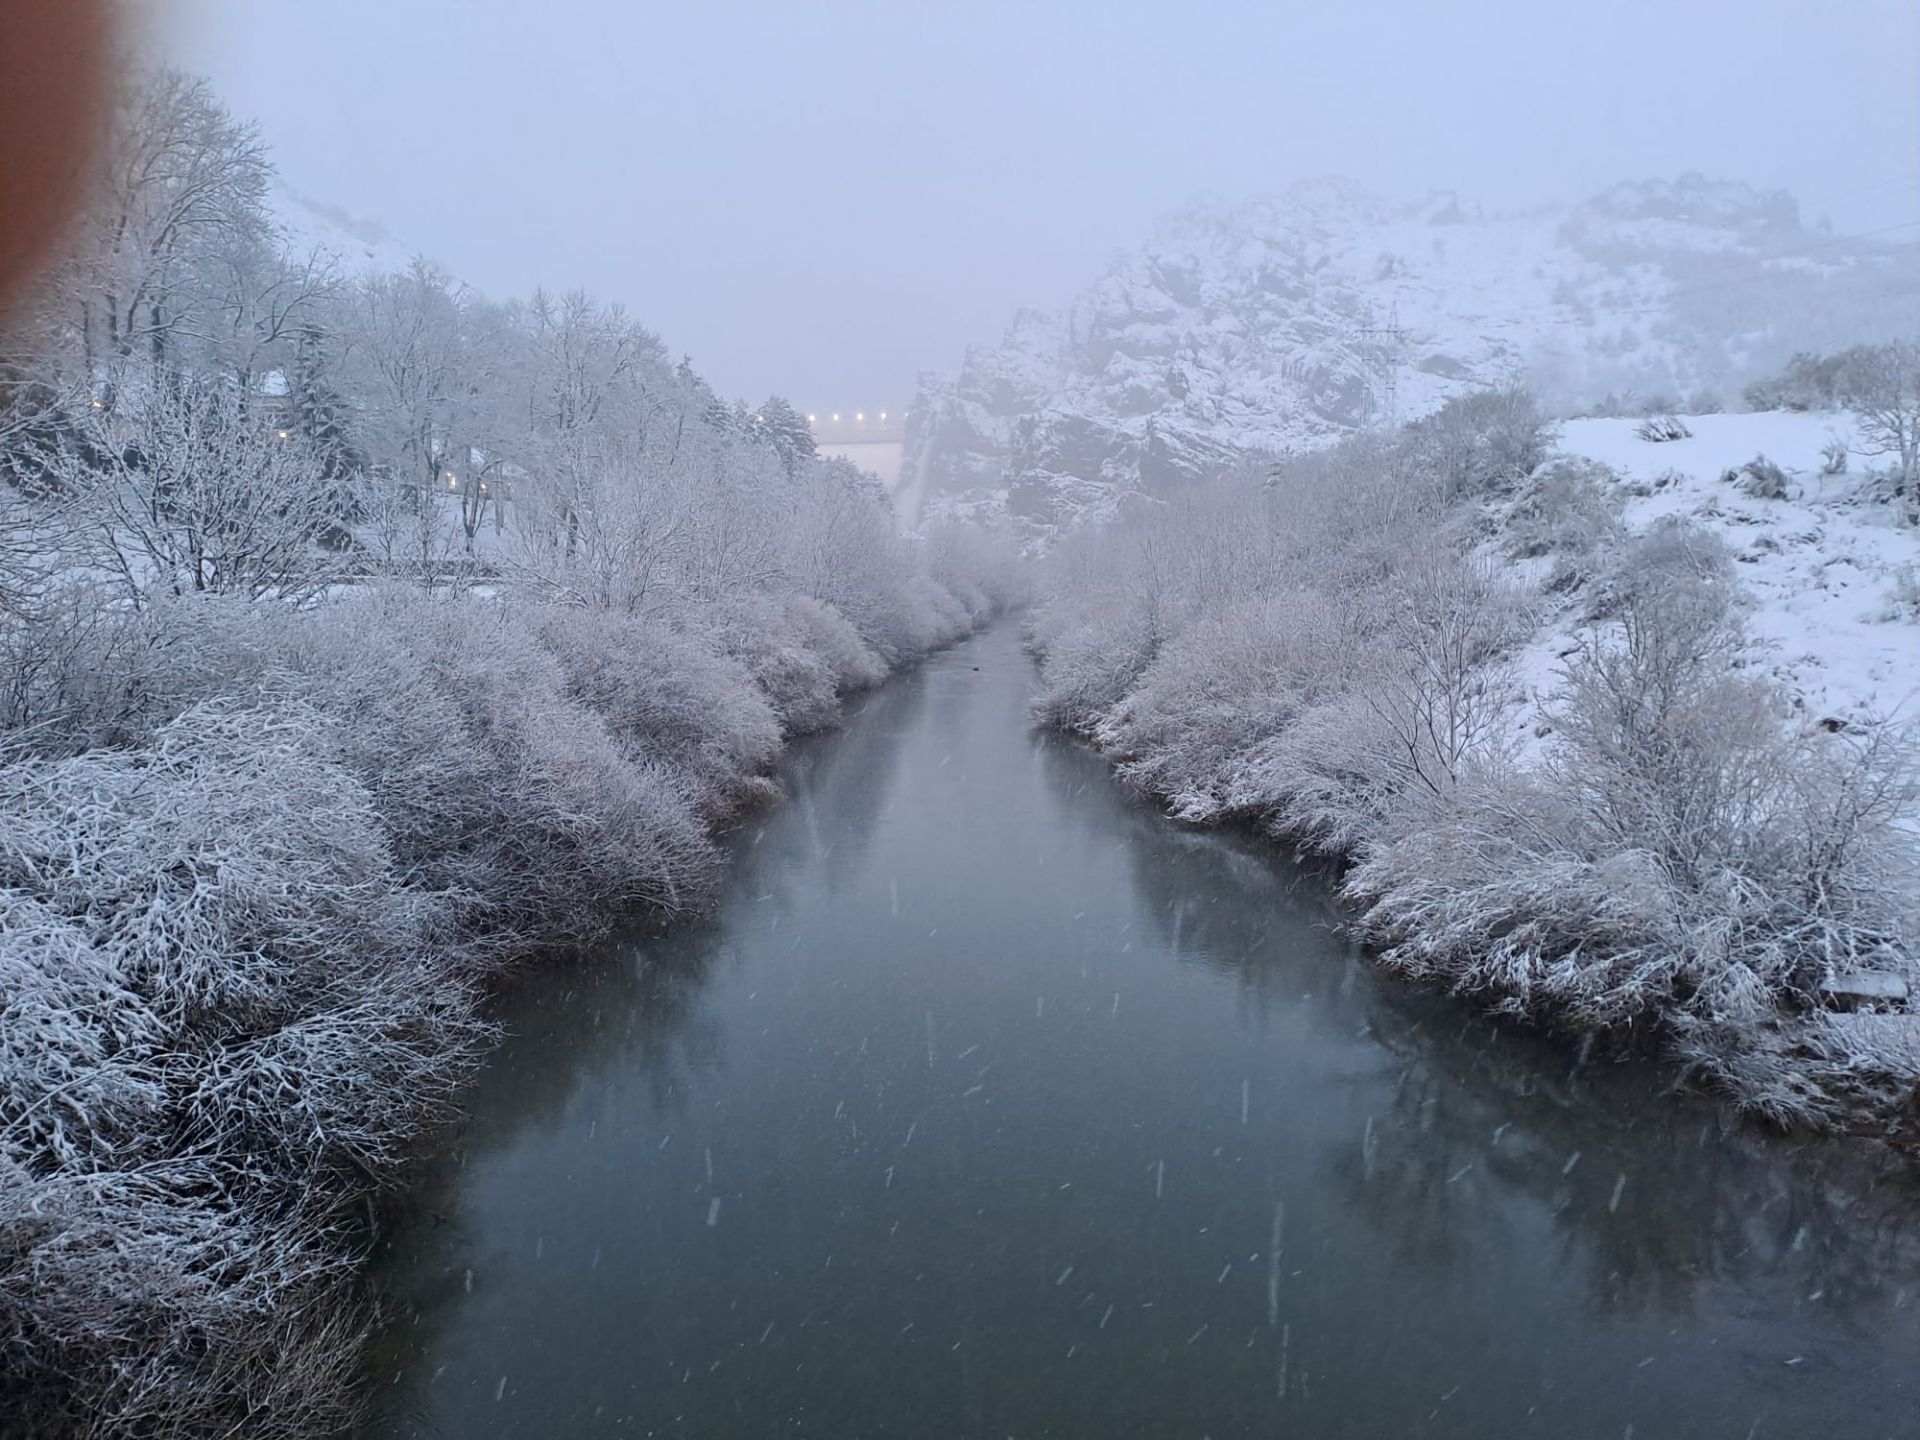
(181, 197)
(1881, 385)
(199, 496)
(786, 430)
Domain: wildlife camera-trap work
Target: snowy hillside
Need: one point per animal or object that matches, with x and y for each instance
(357, 245)
(1832, 579)
(1286, 323)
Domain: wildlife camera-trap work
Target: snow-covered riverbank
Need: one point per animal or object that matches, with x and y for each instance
(1614, 729)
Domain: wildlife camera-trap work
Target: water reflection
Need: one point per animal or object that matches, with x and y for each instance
(991, 1103)
(1661, 1196)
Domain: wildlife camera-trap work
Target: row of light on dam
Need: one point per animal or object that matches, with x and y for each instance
(859, 417)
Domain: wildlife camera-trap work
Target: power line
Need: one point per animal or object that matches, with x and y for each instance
(1383, 345)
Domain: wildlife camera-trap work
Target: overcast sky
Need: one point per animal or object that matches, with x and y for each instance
(823, 198)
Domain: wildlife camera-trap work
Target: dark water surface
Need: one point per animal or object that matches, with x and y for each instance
(992, 1104)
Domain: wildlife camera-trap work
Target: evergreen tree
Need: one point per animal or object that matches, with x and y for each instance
(786, 430)
(322, 416)
(718, 415)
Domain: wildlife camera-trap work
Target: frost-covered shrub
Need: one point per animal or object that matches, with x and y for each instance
(1480, 444)
(1671, 555)
(400, 730)
(1833, 457)
(826, 632)
(772, 643)
(76, 1041)
(146, 1301)
(1569, 506)
(671, 700)
(848, 556)
(980, 567)
(214, 987)
(323, 1091)
(578, 825)
(1422, 712)
(1087, 665)
(1661, 428)
(226, 867)
(1806, 382)
(1682, 856)
(1216, 694)
(801, 652)
(1760, 478)
(1819, 1069)
(938, 616)
(1904, 594)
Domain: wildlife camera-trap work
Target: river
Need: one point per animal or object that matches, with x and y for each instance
(991, 1103)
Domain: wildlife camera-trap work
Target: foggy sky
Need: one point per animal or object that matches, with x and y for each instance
(822, 199)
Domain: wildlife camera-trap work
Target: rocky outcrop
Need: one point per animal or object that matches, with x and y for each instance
(1241, 332)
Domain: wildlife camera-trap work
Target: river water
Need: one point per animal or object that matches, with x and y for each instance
(991, 1103)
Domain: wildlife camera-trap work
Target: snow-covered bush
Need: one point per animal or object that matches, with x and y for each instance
(1881, 385)
(226, 867)
(1218, 693)
(801, 652)
(1821, 1070)
(1760, 478)
(1806, 382)
(1422, 713)
(1088, 665)
(772, 643)
(1905, 594)
(1480, 444)
(1671, 556)
(673, 701)
(1569, 507)
(215, 989)
(980, 567)
(578, 825)
(148, 1301)
(1661, 428)
(826, 632)
(64, 667)
(1683, 856)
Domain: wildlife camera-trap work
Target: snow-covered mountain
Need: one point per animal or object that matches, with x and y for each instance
(1246, 330)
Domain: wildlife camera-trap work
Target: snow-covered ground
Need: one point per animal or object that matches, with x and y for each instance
(1831, 575)
(358, 245)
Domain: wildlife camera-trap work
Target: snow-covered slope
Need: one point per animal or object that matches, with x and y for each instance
(1276, 324)
(1830, 572)
(356, 245)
